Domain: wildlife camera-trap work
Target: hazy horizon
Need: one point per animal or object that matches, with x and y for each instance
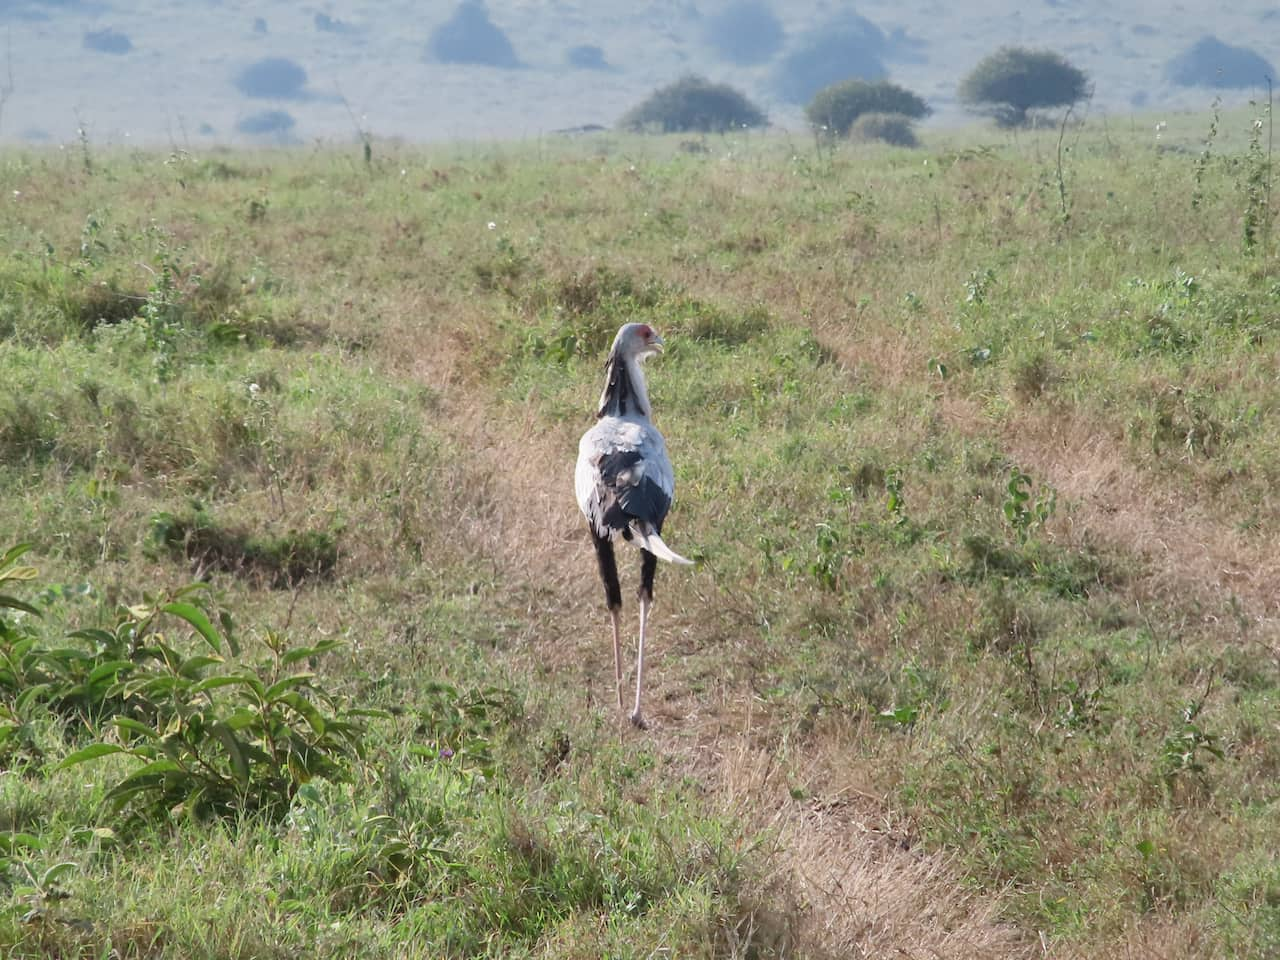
(167, 74)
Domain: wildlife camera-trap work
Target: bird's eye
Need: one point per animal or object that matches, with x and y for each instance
(646, 331)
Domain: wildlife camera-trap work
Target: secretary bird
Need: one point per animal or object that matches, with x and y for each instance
(624, 484)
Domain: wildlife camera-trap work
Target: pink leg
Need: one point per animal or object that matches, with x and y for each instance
(617, 657)
(637, 717)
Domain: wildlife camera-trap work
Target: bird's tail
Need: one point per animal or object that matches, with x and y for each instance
(648, 538)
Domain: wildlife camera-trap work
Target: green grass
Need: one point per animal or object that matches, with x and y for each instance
(962, 475)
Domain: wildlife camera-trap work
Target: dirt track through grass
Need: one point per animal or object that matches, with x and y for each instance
(850, 882)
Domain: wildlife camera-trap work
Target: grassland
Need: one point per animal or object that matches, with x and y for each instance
(976, 449)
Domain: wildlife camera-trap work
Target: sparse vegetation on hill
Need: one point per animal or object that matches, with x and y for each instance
(852, 48)
(693, 104)
(267, 122)
(586, 57)
(273, 78)
(1013, 81)
(835, 109)
(108, 41)
(744, 32)
(469, 36)
(978, 659)
(1211, 63)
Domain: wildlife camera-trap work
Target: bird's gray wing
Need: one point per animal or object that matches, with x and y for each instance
(623, 475)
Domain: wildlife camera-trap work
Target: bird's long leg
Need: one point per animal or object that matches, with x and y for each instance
(648, 564)
(615, 617)
(637, 717)
(613, 597)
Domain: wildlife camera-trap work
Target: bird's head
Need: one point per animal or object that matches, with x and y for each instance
(637, 340)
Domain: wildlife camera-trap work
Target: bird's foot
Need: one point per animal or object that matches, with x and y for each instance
(638, 721)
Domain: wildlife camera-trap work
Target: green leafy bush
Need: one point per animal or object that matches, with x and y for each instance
(892, 128)
(214, 737)
(1015, 80)
(693, 103)
(836, 108)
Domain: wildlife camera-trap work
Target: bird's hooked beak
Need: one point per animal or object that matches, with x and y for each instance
(657, 343)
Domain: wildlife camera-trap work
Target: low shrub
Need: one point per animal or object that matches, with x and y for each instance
(281, 561)
(693, 103)
(891, 128)
(836, 108)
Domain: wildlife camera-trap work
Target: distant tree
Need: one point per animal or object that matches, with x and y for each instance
(1014, 80)
(837, 107)
(107, 41)
(849, 49)
(894, 128)
(469, 36)
(693, 104)
(586, 57)
(275, 78)
(744, 32)
(1211, 63)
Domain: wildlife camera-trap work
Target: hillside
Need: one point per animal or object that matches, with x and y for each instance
(164, 74)
(976, 451)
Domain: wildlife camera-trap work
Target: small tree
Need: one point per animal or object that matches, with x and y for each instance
(837, 107)
(693, 103)
(1015, 80)
(891, 128)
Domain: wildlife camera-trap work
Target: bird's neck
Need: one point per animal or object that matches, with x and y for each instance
(625, 392)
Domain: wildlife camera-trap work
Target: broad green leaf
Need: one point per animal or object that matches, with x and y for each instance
(88, 834)
(235, 753)
(57, 872)
(20, 841)
(226, 680)
(148, 778)
(108, 669)
(91, 752)
(13, 553)
(305, 708)
(30, 695)
(100, 637)
(197, 619)
(280, 686)
(135, 726)
(13, 603)
(192, 667)
(301, 653)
